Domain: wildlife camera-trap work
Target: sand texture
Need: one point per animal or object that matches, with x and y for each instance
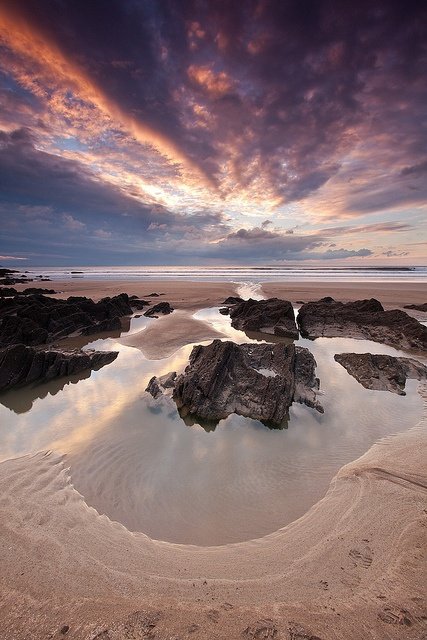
(184, 294)
(169, 333)
(353, 567)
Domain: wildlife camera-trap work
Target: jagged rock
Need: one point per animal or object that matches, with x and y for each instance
(138, 303)
(37, 290)
(272, 316)
(163, 307)
(381, 372)
(364, 319)
(258, 381)
(110, 324)
(159, 385)
(21, 365)
(224, 311)
(36, 319)
(233, 300)
(8, 291)
(4, 272)
(417, 307)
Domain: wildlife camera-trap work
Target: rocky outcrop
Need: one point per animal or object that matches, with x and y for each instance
(10, 291)
(233, 300)
(416, 307)
(382, 372)
(258, 381)
(163, 308)
(272, 316)
(363, 319)
(37, 319)
(21, 365)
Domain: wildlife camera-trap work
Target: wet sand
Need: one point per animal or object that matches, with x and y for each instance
(353, 567)
(168, 333)
(191, 296)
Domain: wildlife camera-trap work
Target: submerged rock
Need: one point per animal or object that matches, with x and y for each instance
(163, 308)
(272, 316)
(258, 381)
(21, 365)
(363, 319)
(382, 372)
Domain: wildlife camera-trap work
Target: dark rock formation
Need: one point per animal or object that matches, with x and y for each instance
(110, 324)
(271, 316)
(37, 319)
(364, 319)
(158, 386)
(417, 307)
(224, 311)
(8, 291)
(258, 381)
(381, 372)
(37, 290)
(233, 300)
(21, 365)
(163, 307)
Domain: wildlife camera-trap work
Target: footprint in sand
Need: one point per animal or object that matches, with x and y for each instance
(298, 632)
(361, 556)
(394, 615)
(213, 615)
(261, 630)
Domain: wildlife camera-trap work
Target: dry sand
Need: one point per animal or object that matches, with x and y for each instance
(352, 568)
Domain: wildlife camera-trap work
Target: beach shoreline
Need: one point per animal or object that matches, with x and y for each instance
(352, 567)
(197, 294)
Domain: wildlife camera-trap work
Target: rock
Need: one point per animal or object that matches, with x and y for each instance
(36, 319)
(382, 372)
(233, 300)
(363, 319)
(21, 365)
(417, 307)
(272, 316)
(8, 291)
(37, 290)
(160, 386)
(137, 303)
(163, 307)
(224, 311)
(258, 381)
(110, 324)
(6, 272)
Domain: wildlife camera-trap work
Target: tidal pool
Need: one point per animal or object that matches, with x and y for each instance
(136, 461)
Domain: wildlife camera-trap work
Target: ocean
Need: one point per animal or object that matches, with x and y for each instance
(237, 274)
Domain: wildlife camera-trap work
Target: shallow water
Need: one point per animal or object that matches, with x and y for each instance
(136, 461)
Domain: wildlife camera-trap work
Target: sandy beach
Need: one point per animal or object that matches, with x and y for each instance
(353, 567)
(191, 296)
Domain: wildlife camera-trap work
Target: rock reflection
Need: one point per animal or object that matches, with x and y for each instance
(138, 462)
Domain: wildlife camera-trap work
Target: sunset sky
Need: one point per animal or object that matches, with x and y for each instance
(196, 132)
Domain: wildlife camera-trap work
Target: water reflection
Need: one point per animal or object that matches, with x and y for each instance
(135, 459)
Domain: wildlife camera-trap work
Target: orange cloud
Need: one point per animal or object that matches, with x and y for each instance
(25, 40)
(216, 84)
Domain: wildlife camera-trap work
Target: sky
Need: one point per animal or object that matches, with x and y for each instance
(213, 132)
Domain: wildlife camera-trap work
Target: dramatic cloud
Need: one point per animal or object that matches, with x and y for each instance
(211, 122)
